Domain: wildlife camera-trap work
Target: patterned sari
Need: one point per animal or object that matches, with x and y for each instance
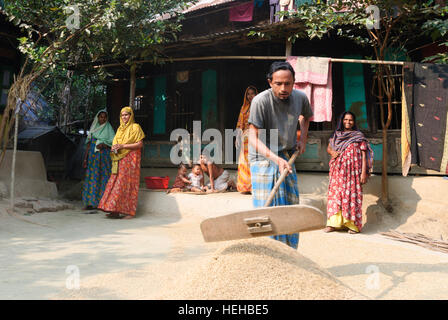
(121, 195)
(344, 206)
(244, 181)
(97, 175)
(98, 161)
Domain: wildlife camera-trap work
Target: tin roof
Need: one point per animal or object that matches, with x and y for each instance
(206, 4)
(35, 132)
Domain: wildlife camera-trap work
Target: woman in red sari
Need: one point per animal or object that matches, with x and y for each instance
(350, 166)
(121, 195)
(244, 183)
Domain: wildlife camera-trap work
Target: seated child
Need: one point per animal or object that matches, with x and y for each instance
(197, 179)
(181, 182)
(219, 178)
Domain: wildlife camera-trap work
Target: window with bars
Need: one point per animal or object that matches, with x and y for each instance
(186, 101)
(5, 84)
(183, 112)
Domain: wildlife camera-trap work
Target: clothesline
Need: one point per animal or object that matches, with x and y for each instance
(364, 61)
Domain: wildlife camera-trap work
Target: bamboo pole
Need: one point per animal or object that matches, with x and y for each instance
(13, 166)
(364, 61)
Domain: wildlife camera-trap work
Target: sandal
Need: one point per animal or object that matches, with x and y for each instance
(113, 216)
(352, 231)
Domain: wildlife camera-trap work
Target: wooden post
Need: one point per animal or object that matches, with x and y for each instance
(288, 48)
(132, 86)
(13, 166)
(67, 96)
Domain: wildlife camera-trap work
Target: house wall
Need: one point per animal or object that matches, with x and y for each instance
(214, 89)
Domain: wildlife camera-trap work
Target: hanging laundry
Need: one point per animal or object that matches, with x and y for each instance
(258, 3)
(426, 98)
(274, 7)
(242, 13)
(408, 74)
(313, 76)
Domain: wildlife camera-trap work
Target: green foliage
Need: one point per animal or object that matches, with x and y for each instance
(437, 27)
(60, 34)
(400, 22)
(441, 58)
(107, 29)
(87, 94)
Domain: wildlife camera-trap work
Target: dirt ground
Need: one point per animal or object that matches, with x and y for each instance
(72, 254)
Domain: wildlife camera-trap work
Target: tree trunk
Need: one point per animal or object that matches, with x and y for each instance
(385, 125)
(384, 179)
(87, 111)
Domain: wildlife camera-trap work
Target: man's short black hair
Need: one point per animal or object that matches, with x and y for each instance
(280, 65)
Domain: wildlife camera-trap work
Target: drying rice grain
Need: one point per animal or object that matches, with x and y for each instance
(259, 268)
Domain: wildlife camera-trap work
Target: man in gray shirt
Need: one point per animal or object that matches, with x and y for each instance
(274, 114)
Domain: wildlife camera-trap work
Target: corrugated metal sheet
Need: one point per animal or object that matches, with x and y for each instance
(260, 27)
(35, 132)
(206, 4)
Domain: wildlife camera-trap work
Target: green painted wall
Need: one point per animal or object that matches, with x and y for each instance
(209, 115)
(311, 152)
(159, 125)
(377, 151)
(150, 151)
(354, 91)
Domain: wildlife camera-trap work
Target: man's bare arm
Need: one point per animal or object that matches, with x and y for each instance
(262, 149)
(304, 125)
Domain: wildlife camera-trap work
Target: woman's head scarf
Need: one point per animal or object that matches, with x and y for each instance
(341, 139)
(103, 133)
(244, 113)
(127, 133)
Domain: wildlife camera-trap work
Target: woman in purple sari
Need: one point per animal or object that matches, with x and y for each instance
(350, 166)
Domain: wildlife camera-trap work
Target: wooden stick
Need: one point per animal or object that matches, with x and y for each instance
(418, 239)
(280, 181)
(13, 165)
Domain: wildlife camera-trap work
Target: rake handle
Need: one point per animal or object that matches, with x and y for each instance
(280, 181)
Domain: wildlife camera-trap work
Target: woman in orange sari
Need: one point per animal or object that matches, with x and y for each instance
(243, 182)
(121, 195)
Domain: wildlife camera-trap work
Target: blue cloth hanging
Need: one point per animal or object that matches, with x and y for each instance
(258, 3)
